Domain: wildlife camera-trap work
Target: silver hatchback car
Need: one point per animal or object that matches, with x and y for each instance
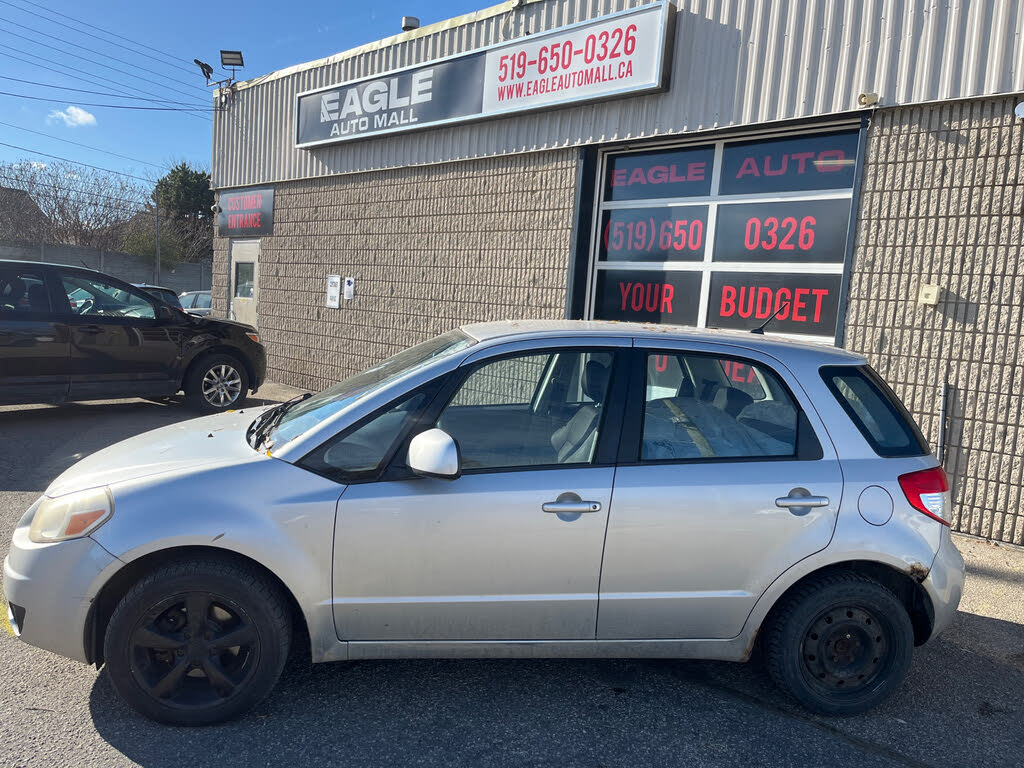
(519, 489)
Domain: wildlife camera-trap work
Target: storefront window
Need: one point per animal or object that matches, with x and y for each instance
(726, 235)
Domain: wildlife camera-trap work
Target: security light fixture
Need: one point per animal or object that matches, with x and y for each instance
(231, 59)
(206, 69)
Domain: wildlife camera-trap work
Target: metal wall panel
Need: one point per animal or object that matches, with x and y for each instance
(736, 63)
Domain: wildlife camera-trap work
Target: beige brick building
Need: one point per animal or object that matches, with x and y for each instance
(752, 173)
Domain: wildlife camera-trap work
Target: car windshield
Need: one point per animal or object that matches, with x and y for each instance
(307, 414)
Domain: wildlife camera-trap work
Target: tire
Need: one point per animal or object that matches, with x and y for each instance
(178, 670)
(216, 383)
(840, 644)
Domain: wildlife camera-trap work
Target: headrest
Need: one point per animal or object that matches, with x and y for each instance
(731, 400)
(595, 381)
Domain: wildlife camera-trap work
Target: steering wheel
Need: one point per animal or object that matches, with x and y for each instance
(85, 306)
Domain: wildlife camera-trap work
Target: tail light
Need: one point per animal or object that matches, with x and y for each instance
(928, 491)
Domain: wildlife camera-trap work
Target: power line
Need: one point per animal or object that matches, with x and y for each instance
(107, 106)
(73, 74)
(75, 162)
(59, 188)
(98, 63)
(84, 90)
(79, 144)
(81, 23)
(99, 53)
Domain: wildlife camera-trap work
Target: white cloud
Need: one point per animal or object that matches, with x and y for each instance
(73, 116)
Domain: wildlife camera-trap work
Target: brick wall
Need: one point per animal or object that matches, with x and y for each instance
(430, 248)
(943, 202)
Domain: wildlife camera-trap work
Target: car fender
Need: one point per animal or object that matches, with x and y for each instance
(267, 510)
(906, 544)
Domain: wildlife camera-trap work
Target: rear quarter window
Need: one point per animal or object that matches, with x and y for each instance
(875, 410)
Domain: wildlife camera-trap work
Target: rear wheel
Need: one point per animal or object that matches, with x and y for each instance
(840, 644)
(198, 642)
(216, 383)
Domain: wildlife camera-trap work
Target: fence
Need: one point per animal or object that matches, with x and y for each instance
(126, 266)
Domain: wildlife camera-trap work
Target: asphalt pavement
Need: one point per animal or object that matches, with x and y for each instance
(963, 703)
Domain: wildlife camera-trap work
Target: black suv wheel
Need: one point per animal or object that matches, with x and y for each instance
(216, 383)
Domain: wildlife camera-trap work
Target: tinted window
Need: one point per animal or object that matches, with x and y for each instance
(95, 297)
(663, 173)
(22, 291)
(702, 407)
(530, 410)
(875, 409)
(202, 301)
(814, 161)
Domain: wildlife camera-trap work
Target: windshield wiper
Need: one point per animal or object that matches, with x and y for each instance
(265, 423)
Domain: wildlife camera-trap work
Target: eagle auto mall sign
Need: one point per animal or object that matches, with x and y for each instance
(602, 58)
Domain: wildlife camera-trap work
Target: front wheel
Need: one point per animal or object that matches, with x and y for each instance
(840, 644)
(216, 383)
(198, 642)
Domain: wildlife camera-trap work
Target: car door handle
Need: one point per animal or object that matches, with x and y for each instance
(571, 507)
(800, 497)
(90, 329)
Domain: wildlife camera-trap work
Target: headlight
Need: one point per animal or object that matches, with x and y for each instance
(71, 516)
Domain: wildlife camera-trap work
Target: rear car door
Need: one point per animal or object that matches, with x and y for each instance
(34, 344)
(490, 555)
(726, 479)
(120, 347)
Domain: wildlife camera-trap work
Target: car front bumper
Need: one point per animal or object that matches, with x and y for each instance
(49, 589)
(945, 583)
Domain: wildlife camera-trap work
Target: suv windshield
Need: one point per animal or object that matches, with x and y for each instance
(305, 415)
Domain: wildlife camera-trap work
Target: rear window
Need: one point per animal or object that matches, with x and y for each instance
(875, 409)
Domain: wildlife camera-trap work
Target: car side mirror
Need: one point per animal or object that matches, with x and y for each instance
(435, 453)
(165, 314)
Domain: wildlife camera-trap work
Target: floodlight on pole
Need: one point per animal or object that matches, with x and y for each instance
(231, 59)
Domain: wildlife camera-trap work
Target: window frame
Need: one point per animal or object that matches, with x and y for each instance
(609, 430)
(43, 273)
(890, 401)
(60, 272)
(808, 443)
(414, 425)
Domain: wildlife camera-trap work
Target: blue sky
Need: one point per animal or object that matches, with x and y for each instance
(271, 35)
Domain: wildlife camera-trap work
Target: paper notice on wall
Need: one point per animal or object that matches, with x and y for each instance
(334, 291)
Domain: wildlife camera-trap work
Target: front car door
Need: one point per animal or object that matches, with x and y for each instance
(486, 556)
(718, 450)
(120, 346)
(34, 346)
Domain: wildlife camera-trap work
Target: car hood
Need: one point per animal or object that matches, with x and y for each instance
(198, 443)
(210, 322)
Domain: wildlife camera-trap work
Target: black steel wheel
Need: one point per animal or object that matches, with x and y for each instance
(198, 642)
(840, 644)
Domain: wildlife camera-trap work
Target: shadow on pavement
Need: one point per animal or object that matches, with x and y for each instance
(956, 708)
(40, 442)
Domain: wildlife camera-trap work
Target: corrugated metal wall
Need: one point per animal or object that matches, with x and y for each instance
(736, 62)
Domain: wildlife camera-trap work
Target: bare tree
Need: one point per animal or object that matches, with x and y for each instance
(80, 206)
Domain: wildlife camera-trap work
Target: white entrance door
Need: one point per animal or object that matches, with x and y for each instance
(244, 289)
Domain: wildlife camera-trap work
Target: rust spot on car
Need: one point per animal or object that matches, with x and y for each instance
(917, 572)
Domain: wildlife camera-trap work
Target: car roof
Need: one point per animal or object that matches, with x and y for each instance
(509, 330)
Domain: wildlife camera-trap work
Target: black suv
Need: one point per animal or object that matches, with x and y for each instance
(76, 334)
